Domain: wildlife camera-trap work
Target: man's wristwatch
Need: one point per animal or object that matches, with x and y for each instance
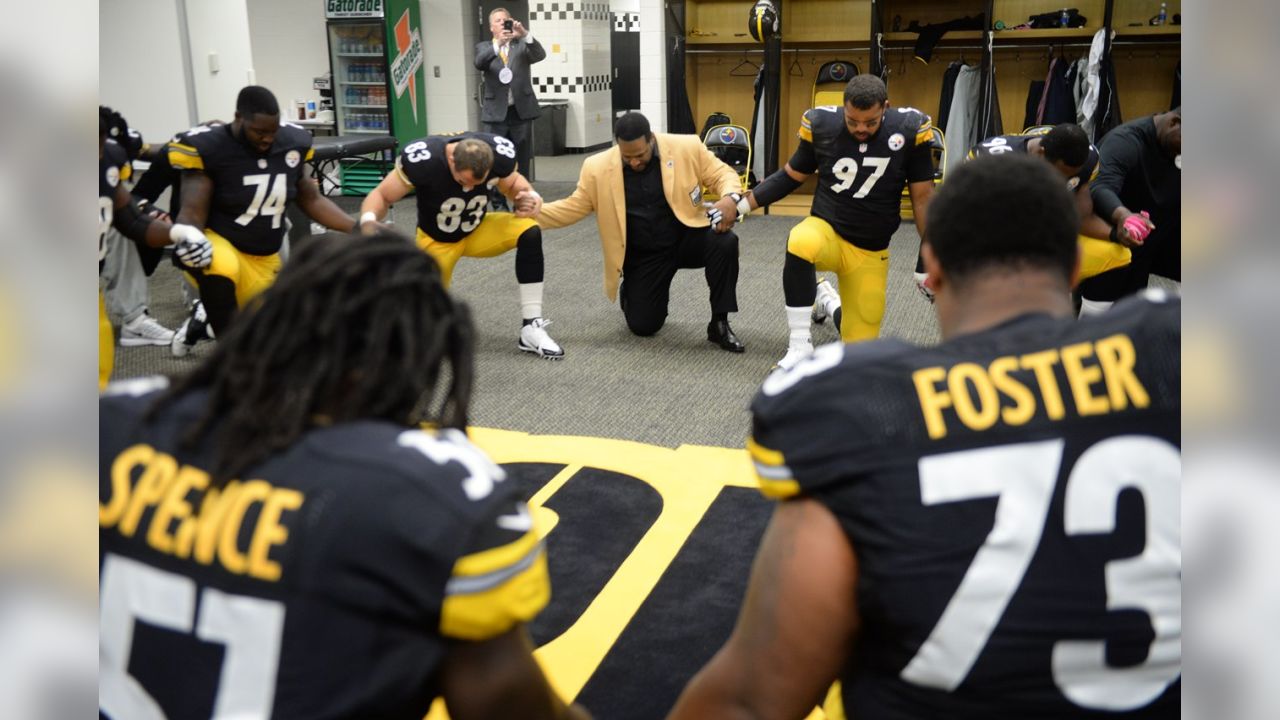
(744, 205)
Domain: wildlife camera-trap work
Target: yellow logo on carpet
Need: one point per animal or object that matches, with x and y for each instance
(688, 479)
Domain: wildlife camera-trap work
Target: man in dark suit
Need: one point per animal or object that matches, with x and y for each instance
(509, 106)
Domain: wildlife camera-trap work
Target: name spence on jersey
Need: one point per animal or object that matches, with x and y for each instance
(1012, 389)
(213, 533)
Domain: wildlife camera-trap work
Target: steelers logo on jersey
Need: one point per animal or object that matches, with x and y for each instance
(292, 158)
(113, 176)
(1073, 183)
(896, 141)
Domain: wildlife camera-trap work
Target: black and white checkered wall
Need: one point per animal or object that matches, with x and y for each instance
(572, 85)
(568, 11)
(578, 68)
(626, 22)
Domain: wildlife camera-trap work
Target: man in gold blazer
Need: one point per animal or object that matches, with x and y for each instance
(646, 192)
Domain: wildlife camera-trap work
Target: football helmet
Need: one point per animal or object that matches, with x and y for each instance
(763, 22)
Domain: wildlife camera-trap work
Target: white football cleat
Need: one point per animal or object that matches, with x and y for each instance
(793, 357)
(534, 339)
(827, 298)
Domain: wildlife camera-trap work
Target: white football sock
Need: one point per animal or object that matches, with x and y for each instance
(530, 300)
(798, 321)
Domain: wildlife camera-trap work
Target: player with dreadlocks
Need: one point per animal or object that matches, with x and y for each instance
(283, 502)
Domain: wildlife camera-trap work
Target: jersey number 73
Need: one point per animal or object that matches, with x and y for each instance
(1023, 477)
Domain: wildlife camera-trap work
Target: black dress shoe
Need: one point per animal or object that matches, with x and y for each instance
(719, 332)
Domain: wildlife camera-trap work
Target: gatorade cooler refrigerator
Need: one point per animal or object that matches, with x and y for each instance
(376, 57)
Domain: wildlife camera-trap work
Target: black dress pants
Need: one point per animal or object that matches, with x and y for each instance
(647, 274)
(1160, 255)
(517, 131)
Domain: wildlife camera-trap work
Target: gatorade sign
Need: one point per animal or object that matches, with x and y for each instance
(407, 60)
(339, 9)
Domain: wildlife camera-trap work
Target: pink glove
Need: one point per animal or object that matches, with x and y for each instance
(1136, 228)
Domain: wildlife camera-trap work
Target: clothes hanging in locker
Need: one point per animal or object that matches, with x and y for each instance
(990, 123)
(1107, 115)
(963, 116)
(1034, 93)
(1072, 82)
(679, 111)
(948, 93)
(1079, 74)
(1087, 108)
(1056, 104)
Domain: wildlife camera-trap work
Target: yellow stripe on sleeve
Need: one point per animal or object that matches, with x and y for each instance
(925, 134)
(126, 171)
(495, 559)
(311, 152)
(185, 157)
(491, 591)
(775, 477)
(806, 128)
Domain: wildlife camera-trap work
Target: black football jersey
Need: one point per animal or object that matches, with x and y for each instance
(1002, 144)
(162, 175)
(445, 212)
(1013, 497)
(250, 191)
(325, 583)
(113, 169)
(860, 184)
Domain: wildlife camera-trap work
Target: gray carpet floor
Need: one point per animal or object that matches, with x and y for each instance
(671, 389)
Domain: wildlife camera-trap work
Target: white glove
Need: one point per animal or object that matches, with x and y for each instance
(190, 246)
(715, 216)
